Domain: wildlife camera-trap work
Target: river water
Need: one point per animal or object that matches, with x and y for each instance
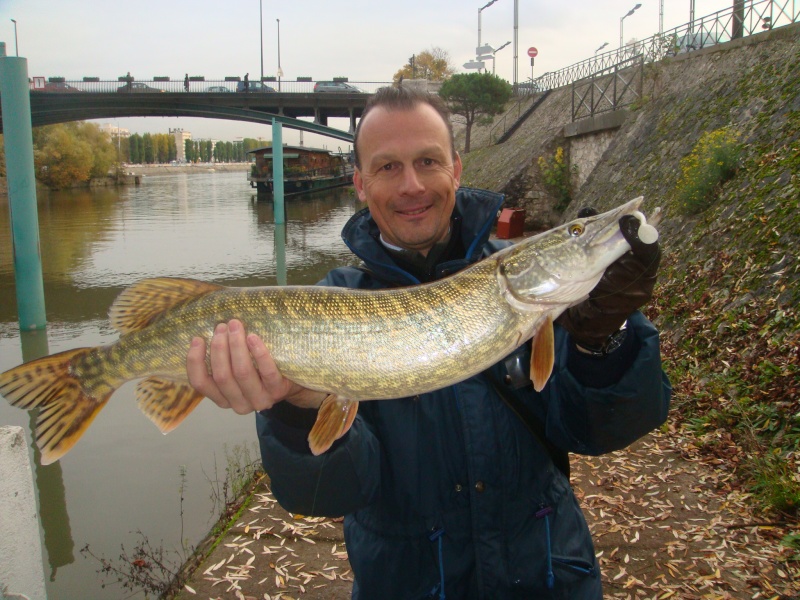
(124, 482)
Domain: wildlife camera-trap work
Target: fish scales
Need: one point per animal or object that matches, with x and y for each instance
(354, 344)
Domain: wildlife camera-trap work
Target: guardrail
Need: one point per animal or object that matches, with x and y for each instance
(168, 85)
(609, 89)
(722, 26)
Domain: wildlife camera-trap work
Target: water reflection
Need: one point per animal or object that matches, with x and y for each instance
(49, 480)
(94, 244)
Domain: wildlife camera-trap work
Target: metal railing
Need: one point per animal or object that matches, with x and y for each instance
(609, 89)
(722, 26)
(158, 85)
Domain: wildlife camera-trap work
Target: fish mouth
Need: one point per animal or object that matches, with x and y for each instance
(604, 228)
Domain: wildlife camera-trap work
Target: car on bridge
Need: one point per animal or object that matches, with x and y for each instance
(57, 86)
(253, 87)
(137, 87)
(337, 87)
(217, 89)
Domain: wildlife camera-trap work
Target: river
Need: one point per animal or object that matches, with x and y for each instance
(124, 482)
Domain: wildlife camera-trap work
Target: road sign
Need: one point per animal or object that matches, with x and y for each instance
(474, 64)
(532, 52)
(485, 49)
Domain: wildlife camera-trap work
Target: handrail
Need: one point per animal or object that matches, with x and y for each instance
(719, 27)
(94, 85)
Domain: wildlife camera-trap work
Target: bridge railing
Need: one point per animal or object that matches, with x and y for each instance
(157, 85)
(722, 26)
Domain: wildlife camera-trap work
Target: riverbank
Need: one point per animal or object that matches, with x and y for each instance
(150, 170)
(134, 173)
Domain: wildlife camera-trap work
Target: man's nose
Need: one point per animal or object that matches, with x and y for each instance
(411, 182)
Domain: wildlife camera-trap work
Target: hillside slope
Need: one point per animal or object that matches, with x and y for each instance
(728, 291)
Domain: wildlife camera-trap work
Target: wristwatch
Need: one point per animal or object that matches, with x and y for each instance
(613, 342)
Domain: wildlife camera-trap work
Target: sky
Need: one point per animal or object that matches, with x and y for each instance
(364, 40)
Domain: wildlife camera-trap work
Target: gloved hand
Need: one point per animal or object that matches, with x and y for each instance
(626, 285)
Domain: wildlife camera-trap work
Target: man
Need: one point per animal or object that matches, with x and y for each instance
(451, 493)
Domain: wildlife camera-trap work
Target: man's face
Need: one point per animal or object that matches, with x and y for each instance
(408, 176)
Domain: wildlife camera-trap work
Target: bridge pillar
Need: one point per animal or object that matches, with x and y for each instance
(18, 134)
(352, 130)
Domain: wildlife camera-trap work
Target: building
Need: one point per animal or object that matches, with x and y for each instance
(180, 143)
(114, 130)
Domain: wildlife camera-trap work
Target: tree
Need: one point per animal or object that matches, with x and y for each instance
(475, 96)
(433, 65)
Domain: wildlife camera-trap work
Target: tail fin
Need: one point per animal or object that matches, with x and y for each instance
(65, 409)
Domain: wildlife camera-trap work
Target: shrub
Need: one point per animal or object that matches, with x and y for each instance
(713, 161)
(555, 176)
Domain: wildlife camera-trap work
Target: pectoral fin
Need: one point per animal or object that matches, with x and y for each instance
(333, 420)
(542, 355)
(165, 402)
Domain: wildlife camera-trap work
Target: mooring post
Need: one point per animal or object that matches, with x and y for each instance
(18, 135)
(277, 171)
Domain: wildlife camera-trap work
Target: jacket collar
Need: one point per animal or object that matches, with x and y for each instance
(477, 210)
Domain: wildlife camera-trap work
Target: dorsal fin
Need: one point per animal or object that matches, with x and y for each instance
(145, 301)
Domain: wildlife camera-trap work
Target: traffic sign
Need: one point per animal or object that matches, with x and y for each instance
(474, 64)
(532, 52)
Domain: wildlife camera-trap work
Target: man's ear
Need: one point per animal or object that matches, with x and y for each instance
(457, 169)
(358, 183)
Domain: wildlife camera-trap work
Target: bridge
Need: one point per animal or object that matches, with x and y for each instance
(63, 101)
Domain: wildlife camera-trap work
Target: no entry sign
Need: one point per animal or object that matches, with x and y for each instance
(532, 52)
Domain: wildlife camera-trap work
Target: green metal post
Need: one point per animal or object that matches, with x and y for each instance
(18, 135)
(277, 171)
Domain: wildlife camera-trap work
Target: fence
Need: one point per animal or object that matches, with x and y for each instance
(166, 84)
(743, 19)
(609, 89)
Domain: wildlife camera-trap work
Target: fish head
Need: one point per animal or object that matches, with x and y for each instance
(562, 265)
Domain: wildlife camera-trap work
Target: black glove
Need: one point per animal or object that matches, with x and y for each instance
(626, 285)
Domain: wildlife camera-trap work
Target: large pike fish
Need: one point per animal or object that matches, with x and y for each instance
(354, 344)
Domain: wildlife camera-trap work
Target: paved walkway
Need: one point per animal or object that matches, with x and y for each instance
(665, 524)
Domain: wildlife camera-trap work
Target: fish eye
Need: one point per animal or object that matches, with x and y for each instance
(575, 229)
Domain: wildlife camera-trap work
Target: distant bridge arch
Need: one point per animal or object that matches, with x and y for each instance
(51, 108)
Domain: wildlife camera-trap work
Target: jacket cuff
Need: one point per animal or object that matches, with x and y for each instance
(602, 371)
(291, 425)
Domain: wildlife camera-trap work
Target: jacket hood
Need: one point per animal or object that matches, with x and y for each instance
(477, 210)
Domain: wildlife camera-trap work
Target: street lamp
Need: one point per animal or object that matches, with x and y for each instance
(261, 29)
(630, 12)
(601, 47)
(280, 71)
(495, 54)
(480, 10)
(16, 45)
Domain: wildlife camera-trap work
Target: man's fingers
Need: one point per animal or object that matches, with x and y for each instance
(197, 372)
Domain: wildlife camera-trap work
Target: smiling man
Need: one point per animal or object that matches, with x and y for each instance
(454, 493)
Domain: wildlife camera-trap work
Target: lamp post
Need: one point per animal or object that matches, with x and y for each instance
(16, 44)
(601, 47)
(630, 12)
(261, 30)
(480, 10)
(495, 54)
(280, 71)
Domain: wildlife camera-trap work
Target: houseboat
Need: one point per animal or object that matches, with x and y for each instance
(304, 170)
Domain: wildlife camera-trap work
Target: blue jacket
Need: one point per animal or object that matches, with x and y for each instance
(450, 488)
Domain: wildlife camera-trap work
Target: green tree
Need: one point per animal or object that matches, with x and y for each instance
(432, 64)
(61, 157)
(148, 149)
(475, 96)
(135, 145)
(188, 150)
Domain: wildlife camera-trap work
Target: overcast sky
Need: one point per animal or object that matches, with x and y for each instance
(365, 40)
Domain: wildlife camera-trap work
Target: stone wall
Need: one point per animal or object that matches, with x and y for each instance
(751, 84)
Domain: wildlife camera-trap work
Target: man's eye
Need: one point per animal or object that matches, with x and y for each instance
(387, 167)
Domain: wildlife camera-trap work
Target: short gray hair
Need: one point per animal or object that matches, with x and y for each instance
(405, 98)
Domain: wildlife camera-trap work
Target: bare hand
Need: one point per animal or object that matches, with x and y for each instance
(243, 375)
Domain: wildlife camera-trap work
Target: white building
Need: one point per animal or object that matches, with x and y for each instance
(180, 143)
